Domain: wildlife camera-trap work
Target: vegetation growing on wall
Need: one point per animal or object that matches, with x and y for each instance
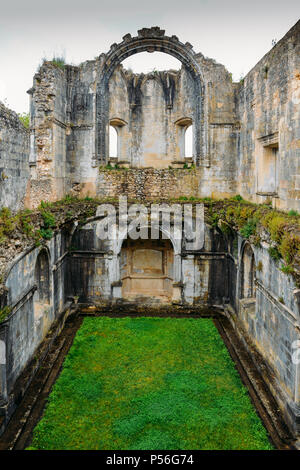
(58, 61)
(256, 223)
(4, 312)
(26, 228)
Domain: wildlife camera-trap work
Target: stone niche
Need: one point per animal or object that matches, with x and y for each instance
(147, 270)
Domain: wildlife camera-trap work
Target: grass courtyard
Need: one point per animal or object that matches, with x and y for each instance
(149, 383)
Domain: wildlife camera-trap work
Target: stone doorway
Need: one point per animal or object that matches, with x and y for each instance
(147, 270)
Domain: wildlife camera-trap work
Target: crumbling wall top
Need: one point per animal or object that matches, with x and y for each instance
(10, 119)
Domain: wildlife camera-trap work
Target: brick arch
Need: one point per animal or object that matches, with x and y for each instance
(150, 40)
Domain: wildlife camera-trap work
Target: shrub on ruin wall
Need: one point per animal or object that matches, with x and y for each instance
(261, 222)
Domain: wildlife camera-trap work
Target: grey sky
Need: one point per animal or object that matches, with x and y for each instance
(236, 33)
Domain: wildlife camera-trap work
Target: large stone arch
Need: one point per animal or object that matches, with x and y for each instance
(150, 40)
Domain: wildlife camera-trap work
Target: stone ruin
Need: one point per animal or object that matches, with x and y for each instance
(245, 139)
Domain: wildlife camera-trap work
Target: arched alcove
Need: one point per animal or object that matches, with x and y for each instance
(248, 273)
(147, 270)
(41, 299)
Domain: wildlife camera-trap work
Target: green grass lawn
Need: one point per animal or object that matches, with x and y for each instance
(149, 383)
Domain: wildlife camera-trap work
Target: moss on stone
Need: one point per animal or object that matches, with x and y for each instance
(4, 312)
(254, 222)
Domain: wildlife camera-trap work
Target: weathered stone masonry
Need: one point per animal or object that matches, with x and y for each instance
(36, 293)
(73, 107)
(268, 109)
(245, 140)
(236, 125)
(14, 168)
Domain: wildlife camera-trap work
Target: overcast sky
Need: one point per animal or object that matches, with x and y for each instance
(235, 33)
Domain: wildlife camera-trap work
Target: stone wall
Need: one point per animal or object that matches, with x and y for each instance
(245, 135)
(150, 107)
(73, 107)
(148, 183)
(14, 159)
(49, 128)
(266, 316)
(268, 105)
(33, 311)
(151, 183)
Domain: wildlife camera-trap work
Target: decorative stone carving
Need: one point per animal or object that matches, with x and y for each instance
(154, 32)
(127, 37)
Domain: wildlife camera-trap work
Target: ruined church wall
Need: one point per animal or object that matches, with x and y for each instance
(154, 120)
(150, 105)
(121, 108)
(268, 106)
(152, 183)
(64, 104)
(149, 183)
(219, 177)
(238, 122)
(216, 177)
(270, 324)
(90, 277)
(48, 135)
(63, 131)
(29, 321)
(82, 167)
(14, 160)
(205, 272)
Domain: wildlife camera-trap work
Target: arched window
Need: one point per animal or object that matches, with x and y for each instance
(185, 139)
(248, 273)
(188, 142)
(113, 142)
(116, 129)
(42, 277)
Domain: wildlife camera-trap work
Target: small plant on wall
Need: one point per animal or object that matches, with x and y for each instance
(266, 70)
(259, 267)
(25, 119)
